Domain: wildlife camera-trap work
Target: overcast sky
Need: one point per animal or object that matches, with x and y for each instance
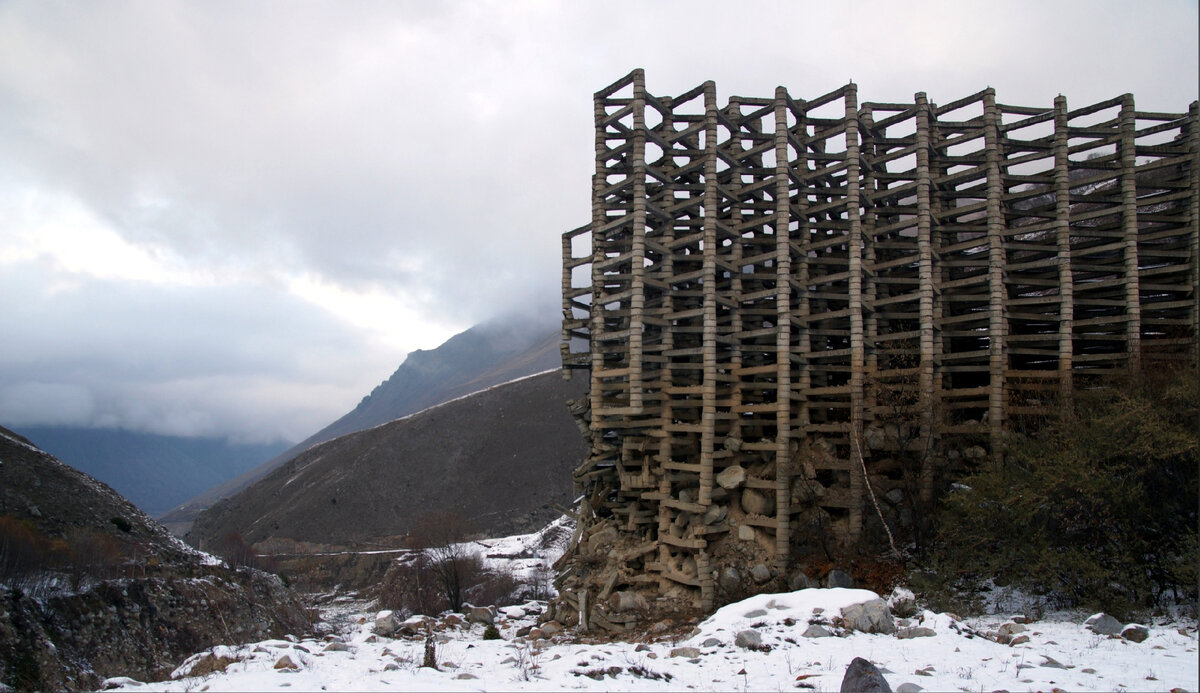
(236, 218)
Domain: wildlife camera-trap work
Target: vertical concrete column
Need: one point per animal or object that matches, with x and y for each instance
(599, 218)
(637, 299)
(1129, 231)
(858, 478)
(783, 334)
(925, 290)
(708, 349)
(997, 325)
(1062, 232)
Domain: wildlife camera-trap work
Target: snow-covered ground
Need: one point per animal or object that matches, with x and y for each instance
(1060, 654)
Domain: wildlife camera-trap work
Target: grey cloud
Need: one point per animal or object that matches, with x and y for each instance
(437, 149)
(198, 360)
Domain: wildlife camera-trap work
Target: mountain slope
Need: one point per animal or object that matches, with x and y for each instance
(92, 587)
(156, 472)
(487, 354)
(500, 457)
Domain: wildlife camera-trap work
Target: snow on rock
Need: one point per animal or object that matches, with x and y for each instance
(1060, 654)
(803, 607)
(801, 640)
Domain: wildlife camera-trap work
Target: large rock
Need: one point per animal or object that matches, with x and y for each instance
(1103, 624)
(287, 664)
(758, 502)
(626, 600)
(817, 631)
(1135, 632)
(869, 617)
(902, 602)
(864, 677)
(480, 614)
(838, 578)
(203, 664)
(915, 632)
(385, 624)
(729, 579)
(760, 573)
(731, 477)
(715, 514)
(749, 639)
(800, 581)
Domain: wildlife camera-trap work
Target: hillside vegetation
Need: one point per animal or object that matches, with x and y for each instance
(1097, 509)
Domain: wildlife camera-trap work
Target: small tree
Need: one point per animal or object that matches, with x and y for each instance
(440, 536)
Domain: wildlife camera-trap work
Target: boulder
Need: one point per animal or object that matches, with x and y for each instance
(285, 663)
(817, 631)
(731, 477)
(601, 538)
(711, 642)
(1135, 632)
(336, 646)
(686, 652)
(864, 677)
(915, 632)
(729, 579)
(715, 514)
(746, 533)
(1012, 628)
(202, 664)
(837, 578)
(800, 581)
(869, 617)
(757, 502)
(902, 602)
(760, 573)
(414, 625)
(626, 600)
(385, 624)
(1103, 624)
(749, 639)
(480, 614)
(550, 628)
(908, 688)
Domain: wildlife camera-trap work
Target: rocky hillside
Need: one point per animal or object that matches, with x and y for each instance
(91, 587)
(500, 457)
(485, 355)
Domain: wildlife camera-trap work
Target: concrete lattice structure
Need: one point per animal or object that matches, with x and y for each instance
(766, 287)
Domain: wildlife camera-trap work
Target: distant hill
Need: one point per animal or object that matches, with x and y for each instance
(487, 354)
(156, 472)
(94, 588)
(501, 458)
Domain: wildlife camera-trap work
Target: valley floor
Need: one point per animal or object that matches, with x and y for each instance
(1060, 654)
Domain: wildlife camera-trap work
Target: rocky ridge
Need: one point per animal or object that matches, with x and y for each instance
(91, 587)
